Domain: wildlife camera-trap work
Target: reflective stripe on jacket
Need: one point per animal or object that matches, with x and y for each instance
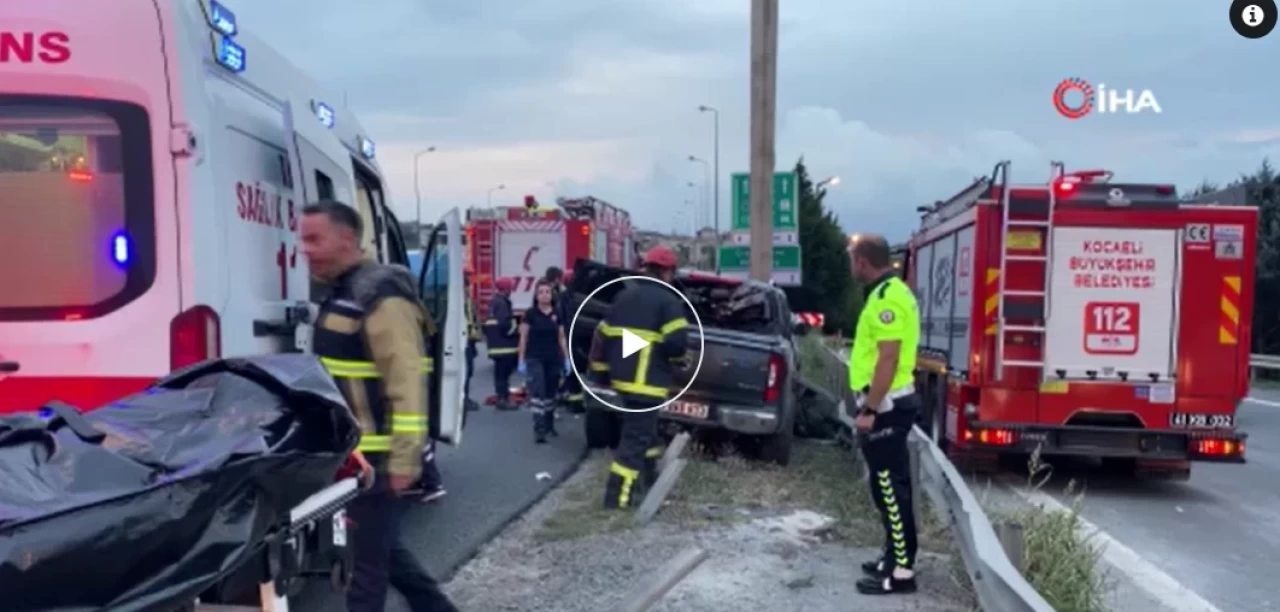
(372, 335)
(657, 316)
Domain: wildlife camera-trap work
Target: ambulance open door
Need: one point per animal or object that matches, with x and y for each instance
(441, 286)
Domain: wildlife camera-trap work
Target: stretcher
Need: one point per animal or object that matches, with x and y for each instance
(311, 541)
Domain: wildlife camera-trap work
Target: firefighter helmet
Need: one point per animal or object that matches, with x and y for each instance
(662, 257)
(505, 284)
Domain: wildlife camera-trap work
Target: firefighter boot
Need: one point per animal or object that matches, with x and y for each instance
(620, 490)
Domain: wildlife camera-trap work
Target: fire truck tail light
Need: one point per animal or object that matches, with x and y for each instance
(993, 437)
(194, 336)
(1216, 447)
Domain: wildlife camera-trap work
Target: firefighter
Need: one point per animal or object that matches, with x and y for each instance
(502, 336)
(571, 388)
(642, 380)
(474, 335)
(371, 335)
(544, 359)
(881, 376)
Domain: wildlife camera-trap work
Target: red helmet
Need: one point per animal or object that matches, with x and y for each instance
(662, 257)
(505, 284)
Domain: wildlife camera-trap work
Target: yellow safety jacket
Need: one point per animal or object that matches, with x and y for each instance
(656, 315)
(373, 336)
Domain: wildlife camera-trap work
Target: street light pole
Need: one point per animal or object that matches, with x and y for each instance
(764, 90)
(417, 190)
(706, 185)
(716, 173)
(489, 196)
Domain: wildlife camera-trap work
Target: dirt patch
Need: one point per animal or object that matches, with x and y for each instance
(779, 539)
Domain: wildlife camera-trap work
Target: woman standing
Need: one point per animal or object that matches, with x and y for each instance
(544, 357)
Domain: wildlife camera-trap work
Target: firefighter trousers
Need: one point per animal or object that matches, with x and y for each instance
(889, 463)
(503, 367)
(634, 467)
(542, 383)
(382, 561)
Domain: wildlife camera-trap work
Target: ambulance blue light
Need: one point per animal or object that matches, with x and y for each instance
(222, 19)
(325, 114)
(121, 250)
(367, 148)
(229, 55)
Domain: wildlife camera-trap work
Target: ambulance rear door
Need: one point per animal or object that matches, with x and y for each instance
(441, 286)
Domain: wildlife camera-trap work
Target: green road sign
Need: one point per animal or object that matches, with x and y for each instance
(785, 204)
(739, 257)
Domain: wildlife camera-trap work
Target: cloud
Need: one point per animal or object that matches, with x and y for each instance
(577, 97)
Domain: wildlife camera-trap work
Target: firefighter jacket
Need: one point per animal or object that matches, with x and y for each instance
(372, 334)
(502, 331)
(656, 315)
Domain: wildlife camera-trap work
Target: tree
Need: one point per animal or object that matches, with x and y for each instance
(827, 283)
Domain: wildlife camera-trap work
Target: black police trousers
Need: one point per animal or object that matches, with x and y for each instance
(634, 467)
(381, 559)
(889, 461)
(503, 367)
(542, 383)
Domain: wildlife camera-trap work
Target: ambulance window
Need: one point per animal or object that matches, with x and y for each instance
(324, 186)
(368, 200)
(77, 213)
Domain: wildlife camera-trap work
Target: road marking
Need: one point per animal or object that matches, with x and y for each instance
(1263, 402)
(1145, 575)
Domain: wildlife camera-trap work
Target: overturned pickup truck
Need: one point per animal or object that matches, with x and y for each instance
(747, 381)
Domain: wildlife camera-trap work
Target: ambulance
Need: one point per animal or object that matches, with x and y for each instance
(154, 161)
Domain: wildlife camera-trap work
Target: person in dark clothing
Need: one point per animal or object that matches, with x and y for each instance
(571, 388)
(372, 334)
(544, 358)
(475, 333)
(643, 379)
(555, 277)
(502, 336)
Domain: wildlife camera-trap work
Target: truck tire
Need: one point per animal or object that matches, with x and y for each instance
(602, 428)
(777, 448)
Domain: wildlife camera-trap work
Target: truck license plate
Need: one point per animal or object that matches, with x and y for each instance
(1183, 420)
(689, 409)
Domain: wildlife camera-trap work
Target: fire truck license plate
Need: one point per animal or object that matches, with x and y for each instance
(689, 409)
(1183, 420)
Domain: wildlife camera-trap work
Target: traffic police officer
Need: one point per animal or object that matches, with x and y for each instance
(371, 335)
(881, 375)
(642, 380)
(502, 334)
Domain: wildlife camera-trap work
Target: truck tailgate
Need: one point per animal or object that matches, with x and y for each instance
(735, 368)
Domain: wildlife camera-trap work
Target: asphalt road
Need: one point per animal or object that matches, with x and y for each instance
(1216, 534)
(491, 479)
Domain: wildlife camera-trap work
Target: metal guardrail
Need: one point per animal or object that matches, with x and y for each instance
(1264, 362)
(996, 582)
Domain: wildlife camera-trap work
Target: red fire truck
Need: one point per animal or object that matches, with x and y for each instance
(1084, 317)
(522, 242)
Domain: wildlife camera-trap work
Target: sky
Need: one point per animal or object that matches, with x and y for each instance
(907, 103)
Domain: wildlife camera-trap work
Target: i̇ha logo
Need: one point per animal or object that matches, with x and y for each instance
(1074, 98)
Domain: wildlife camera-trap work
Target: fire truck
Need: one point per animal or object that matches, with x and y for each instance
(1082, 317)
(521, 242)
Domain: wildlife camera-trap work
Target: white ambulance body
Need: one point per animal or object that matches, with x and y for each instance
(154, 160)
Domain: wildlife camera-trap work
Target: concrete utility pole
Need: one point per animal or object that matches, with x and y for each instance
(764, 90)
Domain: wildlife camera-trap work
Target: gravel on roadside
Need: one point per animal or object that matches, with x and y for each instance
(778, 539)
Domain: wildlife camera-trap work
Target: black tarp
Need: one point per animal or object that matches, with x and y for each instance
(147, 501)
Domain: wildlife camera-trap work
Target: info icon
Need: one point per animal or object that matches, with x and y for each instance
(1253, 18)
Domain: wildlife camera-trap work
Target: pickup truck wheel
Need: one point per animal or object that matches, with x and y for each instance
(777, 448)
(602, 429)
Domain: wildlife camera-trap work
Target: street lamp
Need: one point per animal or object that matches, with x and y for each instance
(831, 180)
(706, 183)
(490, 194)
(716, 171)
(417, 191)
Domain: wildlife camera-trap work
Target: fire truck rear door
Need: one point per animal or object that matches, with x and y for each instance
(1112, 304)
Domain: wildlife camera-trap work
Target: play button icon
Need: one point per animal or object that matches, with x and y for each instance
(632, 343)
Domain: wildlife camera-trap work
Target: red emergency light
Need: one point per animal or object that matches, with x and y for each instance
(530, 202)
(80, 176)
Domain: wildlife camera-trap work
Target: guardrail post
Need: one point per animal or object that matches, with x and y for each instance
(1014, 542)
